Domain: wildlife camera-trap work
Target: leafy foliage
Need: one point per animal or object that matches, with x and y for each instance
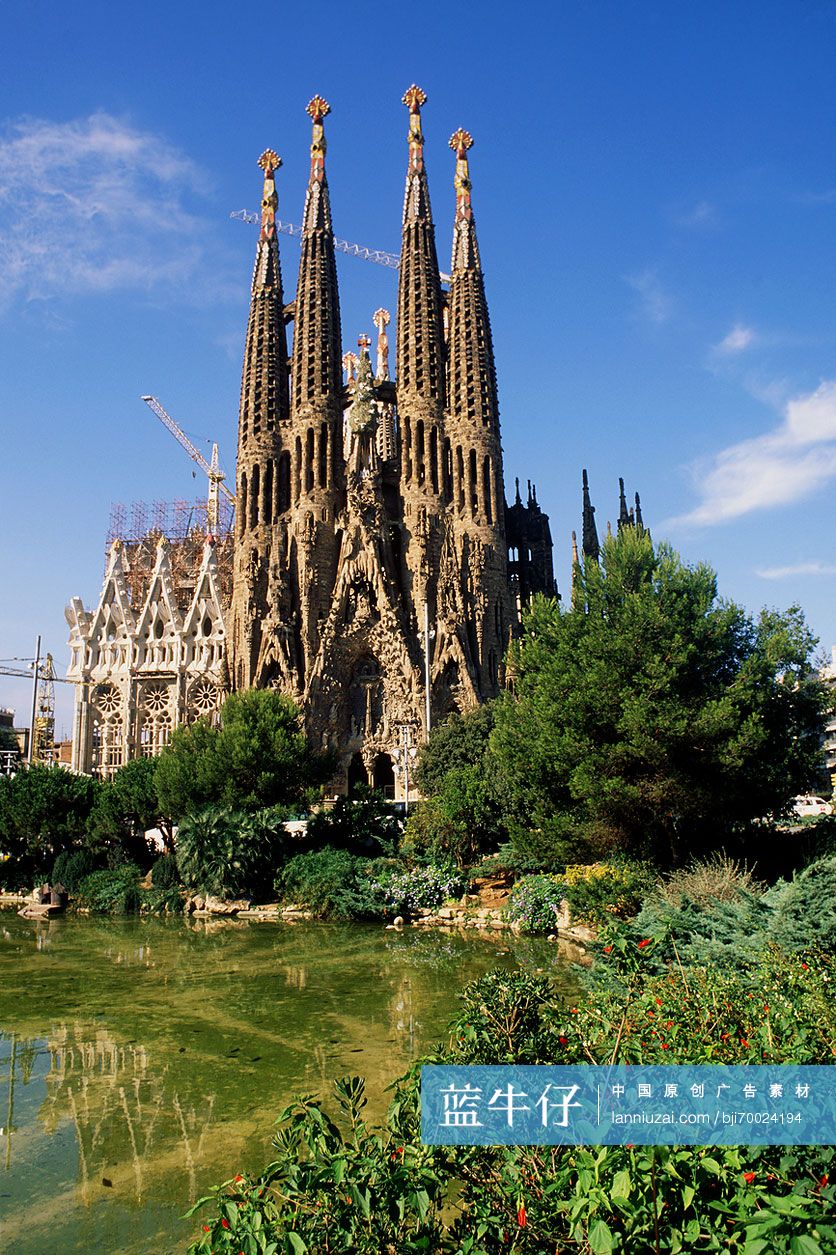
(805, 912)
(376, 1191)
(534, 903)
(43, 811)
(405, 890)
(165, 874)
(598, 892)
(462, 817)
(114, 890)
(126, 807)
(71, 867)
(258, 757)
(332, 884)
(228, 853)
(363, 824)
(651, 717)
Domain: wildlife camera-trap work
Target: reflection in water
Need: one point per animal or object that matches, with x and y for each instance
(143, 1060)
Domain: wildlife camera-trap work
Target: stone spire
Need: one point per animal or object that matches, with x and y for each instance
(317, 355)
(471, 373)
(264, 385)
(623, 512)
(638, 514)
(381, 319)
(420, 330)
(590, 545)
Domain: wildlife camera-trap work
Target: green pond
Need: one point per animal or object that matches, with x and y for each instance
(144, 1060)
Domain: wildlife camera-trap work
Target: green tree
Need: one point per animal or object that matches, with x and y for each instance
(651, 716)
(126, 807)
(257, 757)
(43, 810)
(462, 816)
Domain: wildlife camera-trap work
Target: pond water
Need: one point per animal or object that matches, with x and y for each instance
(144, 1060)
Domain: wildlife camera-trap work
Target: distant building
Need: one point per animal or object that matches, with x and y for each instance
(828, 674)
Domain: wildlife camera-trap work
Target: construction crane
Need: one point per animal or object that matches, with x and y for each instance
(42, 732)
(215, 474)
(377, 255)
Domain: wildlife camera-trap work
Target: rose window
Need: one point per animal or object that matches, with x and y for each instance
(107, 699)
(204, 696)
(156, 699)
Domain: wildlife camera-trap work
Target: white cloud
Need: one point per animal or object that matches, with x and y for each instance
(800, 568)
(654, 304)
(737, 341)
(703, 214)
(782, 466)
(93, 206)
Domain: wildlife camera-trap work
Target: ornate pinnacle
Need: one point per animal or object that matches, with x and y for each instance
(363, 344)
(269, 161)
(414, 98)
(350, 361)
(318, 108)
(460, 141)
(381, 319)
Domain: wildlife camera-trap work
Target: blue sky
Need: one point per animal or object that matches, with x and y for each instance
(655, 192)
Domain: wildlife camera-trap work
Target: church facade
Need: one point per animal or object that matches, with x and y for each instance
(371, 559)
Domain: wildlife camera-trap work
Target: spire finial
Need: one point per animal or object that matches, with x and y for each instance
(363, 343)
(519, 498)
(270, 162)
(381, 319)
(460, 142)
(350, 365)
(318, 108)
(414, 98)
(638, 516)
(575, 558)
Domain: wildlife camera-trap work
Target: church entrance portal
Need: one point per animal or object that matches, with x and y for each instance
(384, 776)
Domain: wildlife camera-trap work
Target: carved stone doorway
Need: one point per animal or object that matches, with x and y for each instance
(383, 777)
(357, 773)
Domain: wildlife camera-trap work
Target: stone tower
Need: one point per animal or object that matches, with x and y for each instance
(371, 576)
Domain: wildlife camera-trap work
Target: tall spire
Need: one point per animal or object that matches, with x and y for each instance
(591, 548)
(264, 384)
(317, 354)
(420, 330)
(465, 248)
(472, 374)
(638, 514)
(623, 512)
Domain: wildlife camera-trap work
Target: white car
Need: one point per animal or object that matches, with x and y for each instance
(809, 804)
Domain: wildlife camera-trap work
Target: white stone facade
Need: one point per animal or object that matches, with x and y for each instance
(141, 670)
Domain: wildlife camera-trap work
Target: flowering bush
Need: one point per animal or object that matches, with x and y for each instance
(534, 903)
(598, 891)
(374, 1191)
(418, 888)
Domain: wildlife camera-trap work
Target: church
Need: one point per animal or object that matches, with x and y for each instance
(373, 571)
(378, 574)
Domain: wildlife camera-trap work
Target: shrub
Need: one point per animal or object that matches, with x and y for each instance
(363, 824)
(71, 867)
(228, 853)
(396, 1194)
(162, 901)
(597, 892)
(416, 888)
(114, 890)
(332, 884)
(706, 881)
(165, 873)
(534, 903)
(805, 912)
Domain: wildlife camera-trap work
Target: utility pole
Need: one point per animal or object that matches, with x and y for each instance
(31, 746)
